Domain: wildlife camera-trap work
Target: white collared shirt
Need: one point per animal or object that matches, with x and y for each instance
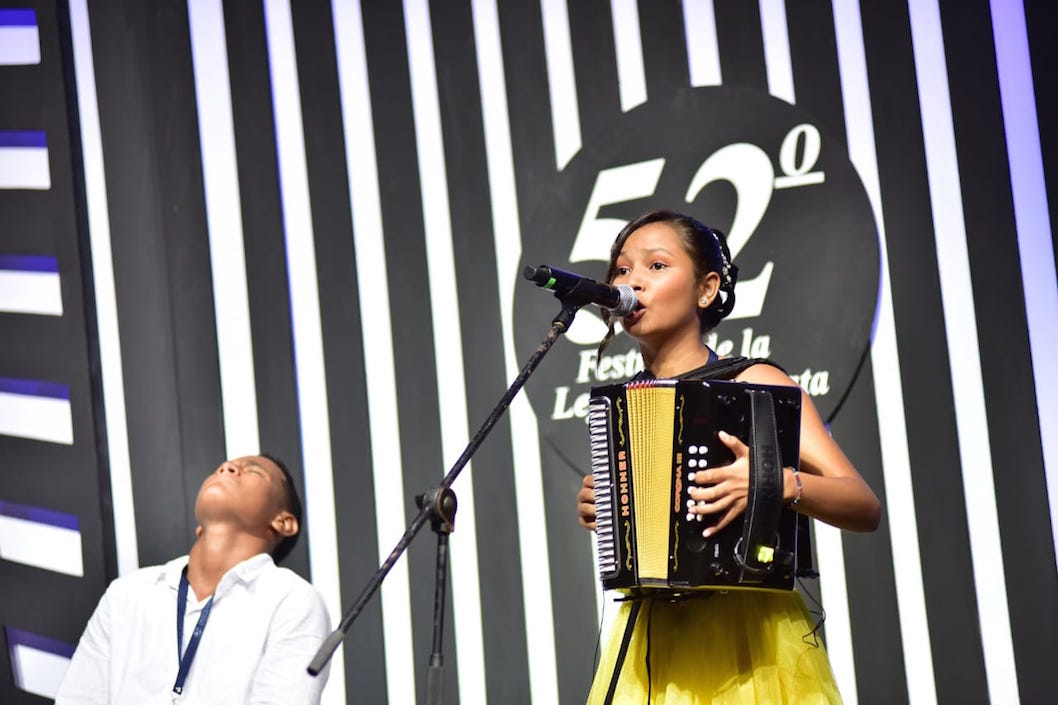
(265, 626)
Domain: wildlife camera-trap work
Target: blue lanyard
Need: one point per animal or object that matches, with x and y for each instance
(188, 656)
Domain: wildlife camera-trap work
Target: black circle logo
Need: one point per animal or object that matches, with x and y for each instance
(798, 221)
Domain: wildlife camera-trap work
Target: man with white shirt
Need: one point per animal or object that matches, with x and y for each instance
(222, 625)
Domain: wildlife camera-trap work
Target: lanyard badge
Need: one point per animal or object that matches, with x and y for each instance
(186, 657)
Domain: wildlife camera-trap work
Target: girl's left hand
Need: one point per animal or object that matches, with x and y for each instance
(729, 486)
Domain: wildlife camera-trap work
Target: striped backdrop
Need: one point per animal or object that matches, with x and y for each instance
(297, 227)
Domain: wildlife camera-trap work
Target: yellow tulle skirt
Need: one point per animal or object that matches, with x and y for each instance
(736, 647)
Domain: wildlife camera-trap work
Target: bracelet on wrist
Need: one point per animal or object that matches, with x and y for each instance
(800, 488)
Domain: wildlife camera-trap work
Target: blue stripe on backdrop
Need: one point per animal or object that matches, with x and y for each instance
(24, 160)
(36, 410)
(1035, 231)
(19, 37)
(35, 388)
(1033, 71)
(38, 642)
(18, 17)
(41, 538)
(37, 662)
(39, 515)
(31, 288)
(23, 138)
(29, 263)
(57, 544)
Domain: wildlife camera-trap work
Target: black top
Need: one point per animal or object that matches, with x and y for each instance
(726, 368)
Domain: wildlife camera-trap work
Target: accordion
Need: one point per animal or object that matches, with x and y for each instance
(646, 437)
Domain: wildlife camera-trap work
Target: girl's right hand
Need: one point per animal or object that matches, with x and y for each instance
(586, 503)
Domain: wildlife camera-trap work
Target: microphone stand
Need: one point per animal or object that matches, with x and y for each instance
(438, 505)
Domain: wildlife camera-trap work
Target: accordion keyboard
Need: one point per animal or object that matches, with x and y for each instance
(598, 423)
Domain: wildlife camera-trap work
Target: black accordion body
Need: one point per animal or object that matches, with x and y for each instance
(646, 437)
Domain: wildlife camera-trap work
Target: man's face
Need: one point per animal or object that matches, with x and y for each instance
(247, 491)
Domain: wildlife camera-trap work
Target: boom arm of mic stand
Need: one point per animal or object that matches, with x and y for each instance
(559, 325)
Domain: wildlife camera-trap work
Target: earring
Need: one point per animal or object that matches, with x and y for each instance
(704, 302)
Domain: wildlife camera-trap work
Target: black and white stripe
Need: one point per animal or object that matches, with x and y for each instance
(306, 221)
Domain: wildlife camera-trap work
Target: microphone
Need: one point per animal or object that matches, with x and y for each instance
(620, 299)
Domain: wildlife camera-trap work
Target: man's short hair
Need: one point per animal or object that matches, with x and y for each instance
(292, 504)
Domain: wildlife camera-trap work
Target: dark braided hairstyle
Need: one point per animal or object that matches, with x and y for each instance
(708, 250)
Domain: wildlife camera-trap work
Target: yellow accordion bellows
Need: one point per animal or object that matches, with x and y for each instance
(651, 412)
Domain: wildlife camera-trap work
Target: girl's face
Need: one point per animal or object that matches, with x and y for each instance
(654, 262)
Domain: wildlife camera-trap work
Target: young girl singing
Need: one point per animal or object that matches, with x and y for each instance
(741, 646)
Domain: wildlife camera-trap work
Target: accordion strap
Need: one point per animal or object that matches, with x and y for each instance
(726, 368)
(755, 551)
(626, 639)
